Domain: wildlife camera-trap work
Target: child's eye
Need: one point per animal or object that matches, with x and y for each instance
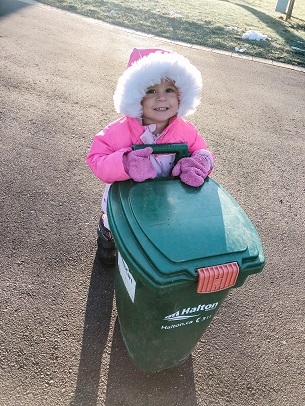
(150, 91)
(169, 90)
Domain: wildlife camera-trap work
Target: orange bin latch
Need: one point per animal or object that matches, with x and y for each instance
(216, 278)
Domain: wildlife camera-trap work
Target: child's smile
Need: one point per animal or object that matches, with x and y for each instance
(160, 104)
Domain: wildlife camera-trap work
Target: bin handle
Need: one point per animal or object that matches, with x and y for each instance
(217, 278)
(180, 149)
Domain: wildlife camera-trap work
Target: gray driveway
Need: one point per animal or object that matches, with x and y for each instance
(59, 336)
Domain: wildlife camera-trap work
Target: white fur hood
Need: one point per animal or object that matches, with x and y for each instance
(149, 71)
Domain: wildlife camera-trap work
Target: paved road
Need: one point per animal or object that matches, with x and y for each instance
(60, 340)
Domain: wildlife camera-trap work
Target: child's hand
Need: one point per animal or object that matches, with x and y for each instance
(138, 165)
(193, 170)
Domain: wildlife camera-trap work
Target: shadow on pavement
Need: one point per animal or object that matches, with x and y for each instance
(11, 6)
(96, 331)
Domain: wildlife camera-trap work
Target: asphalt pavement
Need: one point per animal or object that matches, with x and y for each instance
(59, 334)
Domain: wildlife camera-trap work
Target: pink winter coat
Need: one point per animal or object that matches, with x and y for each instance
(105, 157)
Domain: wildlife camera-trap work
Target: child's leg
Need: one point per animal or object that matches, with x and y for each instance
(106, 251)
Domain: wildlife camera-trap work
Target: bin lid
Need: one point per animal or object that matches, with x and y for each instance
(169, 230)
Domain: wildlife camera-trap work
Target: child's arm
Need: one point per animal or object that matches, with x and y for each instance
(105, 161)
(111, 159)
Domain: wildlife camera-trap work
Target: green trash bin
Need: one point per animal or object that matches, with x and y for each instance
(180, 251)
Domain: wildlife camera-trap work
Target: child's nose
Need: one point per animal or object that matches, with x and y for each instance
(162, 95)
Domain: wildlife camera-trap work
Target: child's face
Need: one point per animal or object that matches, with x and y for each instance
(160, 104)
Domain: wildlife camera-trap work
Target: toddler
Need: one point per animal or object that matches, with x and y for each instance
(157, 89)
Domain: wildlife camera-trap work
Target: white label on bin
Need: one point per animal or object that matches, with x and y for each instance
(128, 279)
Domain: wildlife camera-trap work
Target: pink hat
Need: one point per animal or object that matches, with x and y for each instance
(137, 54)
(148, 67)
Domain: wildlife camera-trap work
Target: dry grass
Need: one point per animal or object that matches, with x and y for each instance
(212, 23)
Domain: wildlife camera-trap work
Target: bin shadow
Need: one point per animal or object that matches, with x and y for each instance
(129, 386)
(95, 335)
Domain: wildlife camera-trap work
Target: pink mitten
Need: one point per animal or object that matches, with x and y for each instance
(193, 170)
(138, 166)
